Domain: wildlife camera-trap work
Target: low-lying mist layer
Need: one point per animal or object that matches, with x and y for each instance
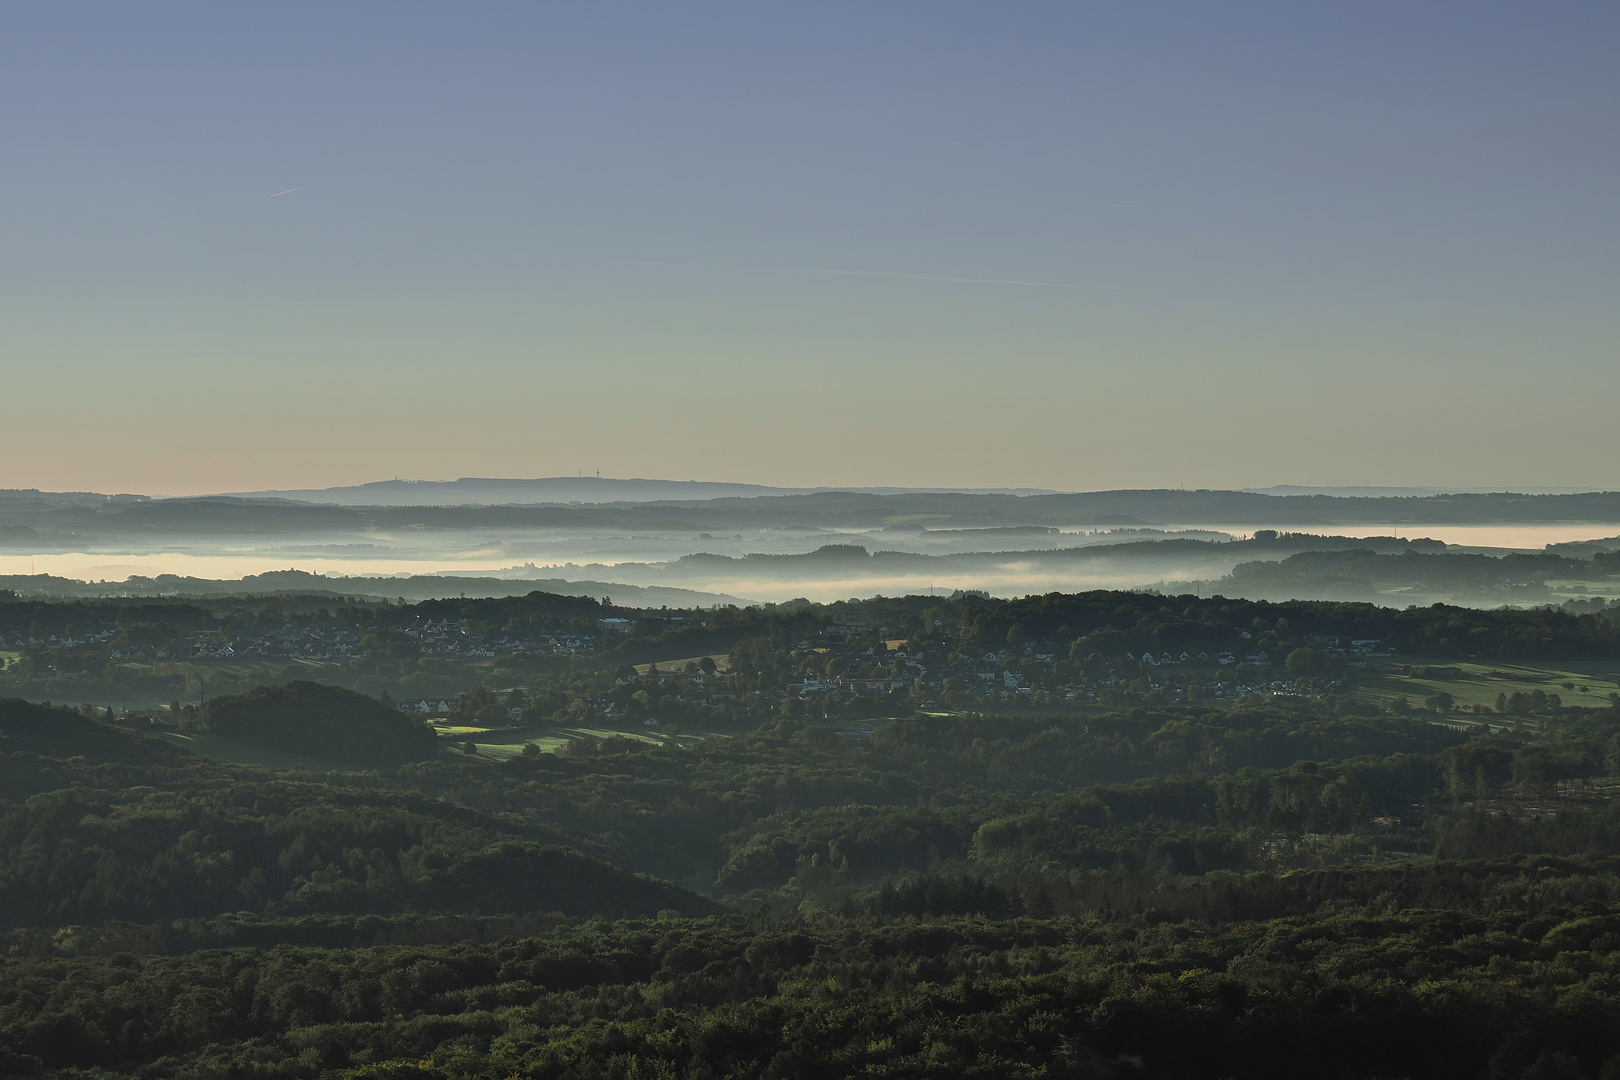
(821, 546)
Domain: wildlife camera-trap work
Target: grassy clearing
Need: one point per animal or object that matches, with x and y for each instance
(493, 753)
(232, 676)
(551, 739)
(548, 739)
(1479, 684)
(722, 663)
(9, 658)
(609, 733)
(254, 671)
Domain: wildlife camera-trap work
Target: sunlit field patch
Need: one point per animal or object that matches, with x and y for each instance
(1477, 684)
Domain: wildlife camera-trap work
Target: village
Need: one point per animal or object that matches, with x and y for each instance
(429, 659)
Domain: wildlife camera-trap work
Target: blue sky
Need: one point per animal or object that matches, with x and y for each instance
(1059, 245)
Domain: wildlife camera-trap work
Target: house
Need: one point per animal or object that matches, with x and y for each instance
(813, 684)
(874, 686)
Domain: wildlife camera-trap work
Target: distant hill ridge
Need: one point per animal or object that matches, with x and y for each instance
(566, 489)
(27, 518)
(414, 588)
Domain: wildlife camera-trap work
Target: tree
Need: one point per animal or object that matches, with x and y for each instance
(1306, 662)
(1040, 905)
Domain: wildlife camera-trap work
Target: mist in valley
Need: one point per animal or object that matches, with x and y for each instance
(771, 546)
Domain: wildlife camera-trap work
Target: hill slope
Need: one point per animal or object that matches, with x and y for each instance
(53, 731)
(327, 721)
(99, 824)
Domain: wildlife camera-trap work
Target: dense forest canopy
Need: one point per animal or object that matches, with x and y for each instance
(1167, 836)
(327, 721)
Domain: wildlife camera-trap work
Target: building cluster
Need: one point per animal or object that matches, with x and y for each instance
(1034, 672)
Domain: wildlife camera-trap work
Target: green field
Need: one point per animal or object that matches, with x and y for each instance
(1479, 684)
(551, 739)
(501, 751)
(8, 658)
(245, 672)
(548, 739)
(722, 663)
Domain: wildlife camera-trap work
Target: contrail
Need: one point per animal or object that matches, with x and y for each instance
(289, 191)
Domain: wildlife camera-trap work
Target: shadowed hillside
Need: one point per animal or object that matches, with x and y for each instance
(27, 728)
(325, 721)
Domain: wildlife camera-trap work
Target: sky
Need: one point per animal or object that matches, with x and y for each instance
(1062, 245)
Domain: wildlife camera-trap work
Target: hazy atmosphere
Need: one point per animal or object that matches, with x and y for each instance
(718, 541)
(735, 544)
(1149, 245)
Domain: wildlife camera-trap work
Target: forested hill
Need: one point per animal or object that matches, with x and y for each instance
(323, 721)
(28, 730)
(1405, 993)
(99, 823)
(1178, 893)
(1070, 835)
